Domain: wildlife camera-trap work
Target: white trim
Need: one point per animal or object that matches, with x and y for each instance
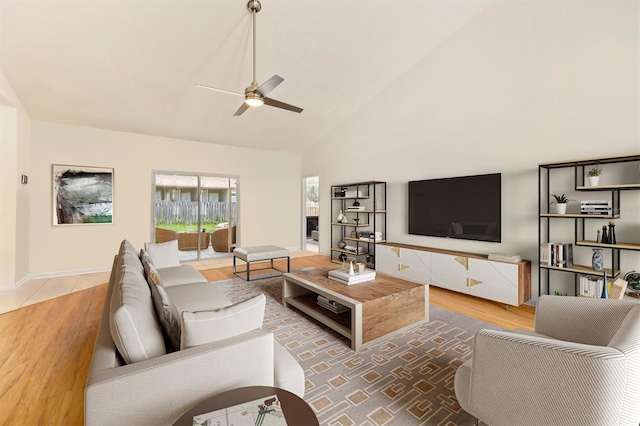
(55, 274)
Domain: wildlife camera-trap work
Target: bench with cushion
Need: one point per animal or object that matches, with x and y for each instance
(260, 254)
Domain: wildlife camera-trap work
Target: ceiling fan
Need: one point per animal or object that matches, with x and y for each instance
(254, 95)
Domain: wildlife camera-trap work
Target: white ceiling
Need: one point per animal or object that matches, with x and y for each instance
(130, 65)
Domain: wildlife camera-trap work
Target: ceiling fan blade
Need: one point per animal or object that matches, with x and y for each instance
(270, 84)
(242, 109)
(278, 104)
(219, 90)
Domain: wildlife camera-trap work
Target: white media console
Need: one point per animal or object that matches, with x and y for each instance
(469, 273)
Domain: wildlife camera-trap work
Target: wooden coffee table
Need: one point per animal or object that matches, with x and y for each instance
(376, 308)
(296, 410)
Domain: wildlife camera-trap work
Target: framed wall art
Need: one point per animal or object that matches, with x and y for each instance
(82, 195)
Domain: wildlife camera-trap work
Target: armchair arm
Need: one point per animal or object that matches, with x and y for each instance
(580, 319)
(519, 379)
(158, 391)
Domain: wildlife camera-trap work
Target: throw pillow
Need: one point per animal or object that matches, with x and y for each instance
(133, 323)
(163, 255)
(144, 257)
(150, 271)
(203, 327)
(168, 315)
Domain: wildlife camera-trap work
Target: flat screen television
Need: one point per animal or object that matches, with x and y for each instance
(466, 207)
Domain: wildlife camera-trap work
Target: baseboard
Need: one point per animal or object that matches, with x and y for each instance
(55, 274)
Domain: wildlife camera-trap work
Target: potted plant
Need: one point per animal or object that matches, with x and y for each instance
(561, 201)
(594, 175)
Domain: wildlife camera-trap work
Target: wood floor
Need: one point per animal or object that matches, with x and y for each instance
(46, 348)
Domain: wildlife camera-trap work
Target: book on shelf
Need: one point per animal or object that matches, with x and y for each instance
(590, 286)
(370, 236)
(355, 250)
(559, 255)
(266, 411)
(355, 208)
(343, 276)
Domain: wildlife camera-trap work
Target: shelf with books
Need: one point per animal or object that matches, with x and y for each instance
(606, 207)
(360, 209)
(583, 269)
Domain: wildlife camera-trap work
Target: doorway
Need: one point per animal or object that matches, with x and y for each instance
(311, 214)
(199, 211)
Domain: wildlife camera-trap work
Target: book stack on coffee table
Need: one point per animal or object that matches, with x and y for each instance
(343, 276)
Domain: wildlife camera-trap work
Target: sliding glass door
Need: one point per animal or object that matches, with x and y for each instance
(200, 211)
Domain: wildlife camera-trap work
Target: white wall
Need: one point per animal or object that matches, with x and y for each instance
(14, 201)
(269, 188)
(523, 83)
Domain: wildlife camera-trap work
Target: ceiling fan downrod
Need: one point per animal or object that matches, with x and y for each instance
(251, 96)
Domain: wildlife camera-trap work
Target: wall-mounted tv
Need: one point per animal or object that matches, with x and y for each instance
(466, 207)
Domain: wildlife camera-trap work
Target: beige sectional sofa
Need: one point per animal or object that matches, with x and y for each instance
(139, 376)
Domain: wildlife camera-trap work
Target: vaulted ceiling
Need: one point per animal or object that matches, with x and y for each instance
(131, 65)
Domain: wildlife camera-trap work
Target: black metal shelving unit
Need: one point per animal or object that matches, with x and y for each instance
(372, 196)
(545, 217)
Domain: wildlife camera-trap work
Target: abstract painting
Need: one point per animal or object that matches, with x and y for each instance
(82, 195)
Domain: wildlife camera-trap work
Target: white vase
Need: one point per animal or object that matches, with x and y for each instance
(341, 217)
(593, 180)
(561, 208)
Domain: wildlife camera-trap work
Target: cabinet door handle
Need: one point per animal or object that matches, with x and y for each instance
(464, 261)
(471, 282)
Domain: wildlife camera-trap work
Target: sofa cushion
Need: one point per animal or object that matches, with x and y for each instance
(178, 275)
(197, 297)
(167, 315)
(164, 255)
(130, 256)
(210, 326)
(132, 320)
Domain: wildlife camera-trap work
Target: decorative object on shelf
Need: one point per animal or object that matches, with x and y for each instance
(604, 287)
(341, 217)
(597, 260)
(605, 235)
(356, 220)
(354, 234)
(356, 203)
(342, 257)
(612, 232)
(594, 175)
(598, 236)
(342, 244)
(561, 201)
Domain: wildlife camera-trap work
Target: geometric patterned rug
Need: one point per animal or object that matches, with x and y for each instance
(404, 380)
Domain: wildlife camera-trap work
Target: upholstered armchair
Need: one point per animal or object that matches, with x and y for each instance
(220, 239)
(581, 366)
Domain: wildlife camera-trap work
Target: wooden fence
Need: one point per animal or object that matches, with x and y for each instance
(313, 208)
(171, 212)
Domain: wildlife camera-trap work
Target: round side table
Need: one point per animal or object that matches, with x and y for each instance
(296, 410)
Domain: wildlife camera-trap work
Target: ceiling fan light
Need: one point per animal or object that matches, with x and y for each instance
(253, 99)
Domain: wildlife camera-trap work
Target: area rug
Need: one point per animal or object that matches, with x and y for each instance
(404, 380)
